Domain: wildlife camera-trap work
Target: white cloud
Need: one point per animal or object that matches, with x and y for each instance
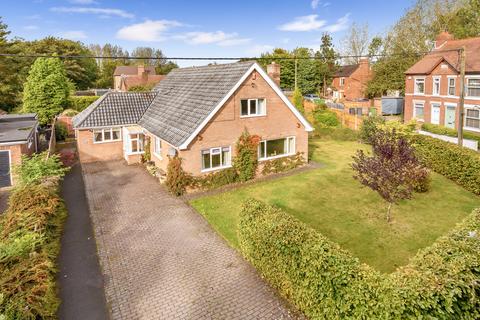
(150, 30)
(315, 4)
(339, 25)
(257, 50)
(88, 10)
(218, 37)
(285, 40)
(304, 23)
(30, 27)
(73, 34)
(326, 4)
(83, 1)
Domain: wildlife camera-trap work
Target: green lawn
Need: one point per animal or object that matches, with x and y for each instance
(331, 201)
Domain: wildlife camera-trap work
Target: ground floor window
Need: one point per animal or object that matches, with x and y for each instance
(106, 135)
(157, 146)
(472, 118)
(216, 158)
(276, 148)
(418, 110)
(137, 142)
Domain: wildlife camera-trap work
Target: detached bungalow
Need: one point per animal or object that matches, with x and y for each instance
(199, 114)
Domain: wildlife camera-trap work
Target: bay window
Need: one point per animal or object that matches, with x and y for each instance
(418, 110)
(106, 135)
(252, 107)
(451, 86)
(472, 118)
(268, 149)
(473, 87)
(419, 86)
(216, 158)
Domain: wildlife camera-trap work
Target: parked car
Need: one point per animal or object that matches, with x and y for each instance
(311, 97)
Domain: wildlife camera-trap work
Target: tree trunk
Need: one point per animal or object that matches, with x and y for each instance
(388, 212)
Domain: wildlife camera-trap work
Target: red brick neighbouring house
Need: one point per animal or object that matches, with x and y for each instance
(432, 85)
(125, 77)
(350, 81)
(199, 114)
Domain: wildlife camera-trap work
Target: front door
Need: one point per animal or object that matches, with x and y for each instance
(450, 117)
(435, 113)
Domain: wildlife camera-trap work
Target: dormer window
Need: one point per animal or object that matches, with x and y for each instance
(419, 86)
(253, 107)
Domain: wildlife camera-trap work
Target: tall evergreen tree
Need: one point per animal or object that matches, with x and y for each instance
(326, 63)
(10, 86)
(47, 89)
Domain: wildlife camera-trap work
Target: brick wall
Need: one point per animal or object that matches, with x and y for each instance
(91, 152)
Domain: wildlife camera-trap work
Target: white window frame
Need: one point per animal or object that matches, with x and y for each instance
(469, 107)
(434, 80)
(454, 86)
(157, 147)
(103, 130)
(467, 80)
(289, 152)
(415, 110)
(342, 81)
(211, 150)
(130, 140)
(415, 80)
(249, 115)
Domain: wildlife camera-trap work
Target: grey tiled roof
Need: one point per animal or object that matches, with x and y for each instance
(114, 108)
(187, 96)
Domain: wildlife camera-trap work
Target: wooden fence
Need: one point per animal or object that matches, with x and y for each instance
(351, 121)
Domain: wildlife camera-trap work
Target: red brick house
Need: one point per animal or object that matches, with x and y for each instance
(125, 77)
(432, 85)
(350, 81)
(199, 114)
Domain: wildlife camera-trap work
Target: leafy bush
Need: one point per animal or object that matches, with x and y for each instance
(456, 163)
(369, 127)
(142, 88)
(433, 128)
(398, 127)
(326, 282)
(177, 179)
(36, 168)
(246, 161)
(217, 179)
(61, 131)
(283, 164)
(69, 112)
(80, 103)
(326, 118)
(298, 100)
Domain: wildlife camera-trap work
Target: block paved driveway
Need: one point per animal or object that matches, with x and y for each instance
(161, 259)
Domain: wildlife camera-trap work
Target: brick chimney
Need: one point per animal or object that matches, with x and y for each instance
(140, 69)
(273, 71)
(442, 38)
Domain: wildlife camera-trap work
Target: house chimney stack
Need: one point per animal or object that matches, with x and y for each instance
(141, 69)
(273, 71)
(442, 38)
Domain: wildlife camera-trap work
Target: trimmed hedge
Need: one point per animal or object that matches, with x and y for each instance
(326, 282)
(461, 165)
(433, 128)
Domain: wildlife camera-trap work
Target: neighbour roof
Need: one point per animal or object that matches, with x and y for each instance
(436, 56)
(114, 109)
(187, 96)
(132, 70)
(346, 71)
(140, 81)
(17, 127)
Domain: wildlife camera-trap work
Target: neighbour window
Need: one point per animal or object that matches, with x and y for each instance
(276, 148)
(216, 158)
(451, 86)
(252, 107)
(137, 142)
(106, 135)
(420, 85)
(157, 147)
(436, 86)
(418, 112)
(342, 82)
(472, 118)
(473, 87)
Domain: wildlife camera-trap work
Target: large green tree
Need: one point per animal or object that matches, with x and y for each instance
(10, 84)
(47, 89)
(162, 65)
(462, 22)
(326, 62)
(113, 56)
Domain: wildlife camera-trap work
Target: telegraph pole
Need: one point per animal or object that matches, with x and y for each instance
(461, 110)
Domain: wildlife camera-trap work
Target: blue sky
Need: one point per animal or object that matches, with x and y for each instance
(199, 28)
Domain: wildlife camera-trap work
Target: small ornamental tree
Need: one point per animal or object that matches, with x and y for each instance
(47, 89)
(177, 179)
(393, 170)
(246, 160)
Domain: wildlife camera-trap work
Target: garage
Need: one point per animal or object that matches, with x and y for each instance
(5, 178)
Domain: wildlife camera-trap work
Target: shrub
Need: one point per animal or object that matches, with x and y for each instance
(36, 168)
(283, 164)
(61, 131)
(298, 100)
(246, 161)
(217, 179)
(398, 127)
(177, 179)
(326, 118)
(456, 163)
(369, 127)
(326, 282)
(80, 103)
(141, 88)
(69, 112)
(433, 128)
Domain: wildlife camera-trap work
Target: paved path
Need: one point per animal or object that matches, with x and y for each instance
(80, 278)
(161, 259)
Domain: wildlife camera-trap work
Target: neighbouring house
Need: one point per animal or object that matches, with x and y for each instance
(197, 113)
(18, 136)
(350, 81)
(125, 77)
(432, 85)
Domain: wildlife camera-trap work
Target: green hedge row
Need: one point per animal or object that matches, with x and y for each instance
(433, 128)
(458, 164)
(326, 282)
(80, 103)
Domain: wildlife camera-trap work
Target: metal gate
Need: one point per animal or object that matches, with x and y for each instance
(5, 179)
